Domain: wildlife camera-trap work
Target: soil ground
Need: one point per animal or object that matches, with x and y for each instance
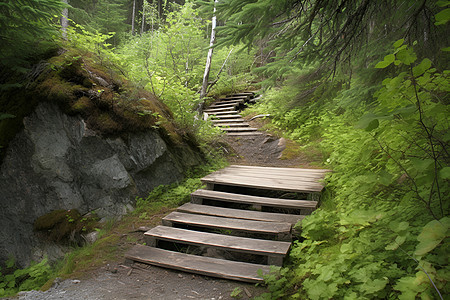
(122, 280)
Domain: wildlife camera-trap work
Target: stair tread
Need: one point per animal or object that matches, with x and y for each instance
(231, 116)
(240, 244)
(239, 213)
(197, 264)
(255, 200)
(240, 129)
(230, 108)
(236, 124)
(227, 112)
(237, 121)
(229, 224)
(245, 133)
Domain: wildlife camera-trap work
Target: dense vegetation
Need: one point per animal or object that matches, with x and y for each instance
(365, 82)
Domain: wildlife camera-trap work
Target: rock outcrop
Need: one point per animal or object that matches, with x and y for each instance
(57, 162)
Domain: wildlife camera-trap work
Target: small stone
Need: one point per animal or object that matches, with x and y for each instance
(180, 276)
(76, 281)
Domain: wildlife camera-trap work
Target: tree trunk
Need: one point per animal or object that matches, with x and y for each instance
(209, 57)
(143, 17)
(133, 17)
(65, 20)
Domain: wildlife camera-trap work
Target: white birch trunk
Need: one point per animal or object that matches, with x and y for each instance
(210, 52)
(133, 17)
(143, 17)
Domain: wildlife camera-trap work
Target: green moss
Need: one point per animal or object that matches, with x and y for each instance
(111, 105)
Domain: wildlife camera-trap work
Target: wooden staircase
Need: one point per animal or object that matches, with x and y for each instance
(224, 113)
(228, 230)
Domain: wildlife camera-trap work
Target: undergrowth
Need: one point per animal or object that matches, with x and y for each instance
(383, 228)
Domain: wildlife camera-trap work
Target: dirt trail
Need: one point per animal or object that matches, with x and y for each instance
(120, 281)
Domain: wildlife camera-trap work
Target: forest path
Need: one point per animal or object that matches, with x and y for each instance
(242, 223)
(118, 281)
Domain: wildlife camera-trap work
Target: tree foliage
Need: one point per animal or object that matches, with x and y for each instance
(26, 27)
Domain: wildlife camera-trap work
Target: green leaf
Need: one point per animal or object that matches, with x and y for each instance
(388, 59)
(422, 67)
(432, 235)
(445, 173)
(446, 49)
(442, 17)
(442, 3)
(398, 43)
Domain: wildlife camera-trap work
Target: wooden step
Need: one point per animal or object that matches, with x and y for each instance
(193, 208)
(249, 134)
(221, 109)
(299, 184)
(258, 202)
(231, 116)
(222, 104)
(281, 231)
(239, 101)
(240, 124)
(288, 174)
(245, 98)
(239, 129)
(251, 94)
(236, 121)
(274, 250)
(197, 264)
(226, 113)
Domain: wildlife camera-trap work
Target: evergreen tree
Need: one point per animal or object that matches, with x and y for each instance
(26, 28)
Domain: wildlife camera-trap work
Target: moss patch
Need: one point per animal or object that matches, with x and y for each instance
(64, 224)
(98, 92)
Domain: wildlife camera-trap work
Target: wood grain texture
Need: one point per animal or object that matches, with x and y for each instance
(247, 199)
(227, 242)
(239, 213)
(198, 264)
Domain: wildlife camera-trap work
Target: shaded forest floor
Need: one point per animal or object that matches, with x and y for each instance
(116, 279)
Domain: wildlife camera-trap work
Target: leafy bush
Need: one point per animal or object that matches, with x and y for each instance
(26, 279)
(383, 229)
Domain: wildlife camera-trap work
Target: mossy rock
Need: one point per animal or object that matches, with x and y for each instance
(64, 224)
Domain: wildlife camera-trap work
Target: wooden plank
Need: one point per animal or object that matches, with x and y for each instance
(309, 177)
(228, 224)
(239, 129)
(239, 213)
(242, 94)
(228, 242)
(245, 133)
(234, 98)
(237, 120)
(231, 116)
(197, 264)
(227, 103)
(253, 200)
(292, 171)
(228, 112)
(231, 101)
(236, 124)
(265, 183)
(222, 109)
